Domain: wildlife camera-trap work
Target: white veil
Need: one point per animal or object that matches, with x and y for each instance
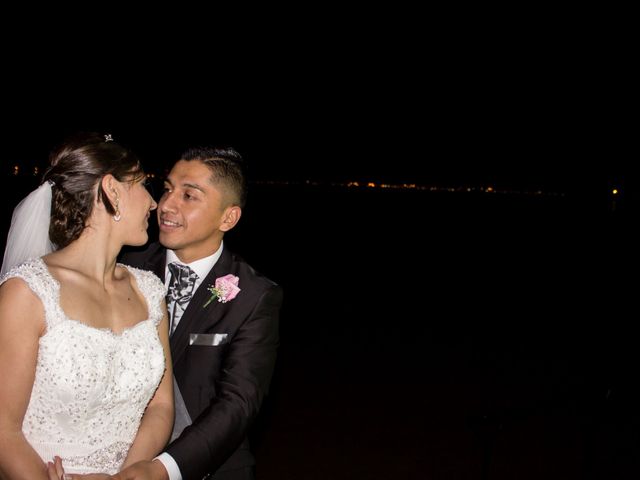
(29, 232)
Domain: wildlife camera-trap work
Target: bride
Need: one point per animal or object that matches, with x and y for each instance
(85, 366)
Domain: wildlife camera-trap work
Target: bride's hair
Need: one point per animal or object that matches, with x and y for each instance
(77, 165)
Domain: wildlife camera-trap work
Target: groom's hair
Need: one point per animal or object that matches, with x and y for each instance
(227, 170)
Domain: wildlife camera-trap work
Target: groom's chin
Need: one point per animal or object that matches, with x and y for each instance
(167, 240)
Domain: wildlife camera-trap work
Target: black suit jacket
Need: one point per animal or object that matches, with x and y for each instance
(223, 386)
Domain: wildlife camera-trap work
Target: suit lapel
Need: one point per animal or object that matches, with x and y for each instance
(196, 316)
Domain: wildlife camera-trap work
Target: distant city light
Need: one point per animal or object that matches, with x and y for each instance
(22, 170)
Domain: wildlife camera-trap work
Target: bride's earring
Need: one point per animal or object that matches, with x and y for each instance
(117, 215)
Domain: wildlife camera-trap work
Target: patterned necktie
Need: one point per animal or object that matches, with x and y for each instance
(179, 293)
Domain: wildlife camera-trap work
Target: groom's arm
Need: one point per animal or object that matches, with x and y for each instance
(247, 369)
(145, 470)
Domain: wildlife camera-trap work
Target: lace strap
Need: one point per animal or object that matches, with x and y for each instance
(36, 275)
(152, 289)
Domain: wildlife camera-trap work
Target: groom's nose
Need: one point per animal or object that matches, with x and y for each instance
(167, 202)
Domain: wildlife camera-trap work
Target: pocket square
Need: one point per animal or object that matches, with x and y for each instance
(207, 339)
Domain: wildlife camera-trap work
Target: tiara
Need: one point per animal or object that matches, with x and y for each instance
(108, 138)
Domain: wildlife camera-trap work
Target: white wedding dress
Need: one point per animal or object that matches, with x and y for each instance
(91, 385)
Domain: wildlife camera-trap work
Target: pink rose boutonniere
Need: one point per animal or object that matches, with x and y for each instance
(225, 289)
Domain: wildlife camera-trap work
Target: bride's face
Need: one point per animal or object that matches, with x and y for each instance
(135, 210)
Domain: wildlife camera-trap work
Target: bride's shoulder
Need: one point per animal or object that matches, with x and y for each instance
(27, 270)
(21, 309)
(20, 286)
(15, 287)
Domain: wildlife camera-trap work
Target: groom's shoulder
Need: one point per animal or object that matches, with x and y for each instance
(138, 256)
(251, 276)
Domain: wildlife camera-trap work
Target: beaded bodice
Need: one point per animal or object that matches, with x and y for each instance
(91, 385)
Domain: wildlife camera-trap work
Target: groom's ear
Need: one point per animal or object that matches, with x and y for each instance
(230, 218)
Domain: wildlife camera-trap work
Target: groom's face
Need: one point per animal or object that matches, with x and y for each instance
(191, 211)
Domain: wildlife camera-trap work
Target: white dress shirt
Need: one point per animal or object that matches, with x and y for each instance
(202, 267)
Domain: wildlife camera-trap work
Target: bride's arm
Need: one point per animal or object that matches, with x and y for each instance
(157, 421)
(21, 325)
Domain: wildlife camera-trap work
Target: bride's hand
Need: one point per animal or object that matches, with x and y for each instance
(55, 470)
(88, 476)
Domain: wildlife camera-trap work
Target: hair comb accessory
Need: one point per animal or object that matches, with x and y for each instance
(108, 138)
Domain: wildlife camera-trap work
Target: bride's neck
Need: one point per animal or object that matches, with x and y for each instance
(90, 254)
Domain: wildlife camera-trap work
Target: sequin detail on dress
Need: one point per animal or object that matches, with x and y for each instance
(91, 385)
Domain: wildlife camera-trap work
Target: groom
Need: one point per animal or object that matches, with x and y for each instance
(223, 321)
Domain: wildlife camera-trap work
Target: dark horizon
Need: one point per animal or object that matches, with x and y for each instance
(430, 168)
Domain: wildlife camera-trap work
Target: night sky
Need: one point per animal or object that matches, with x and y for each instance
(369, 96)
(345, 138)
